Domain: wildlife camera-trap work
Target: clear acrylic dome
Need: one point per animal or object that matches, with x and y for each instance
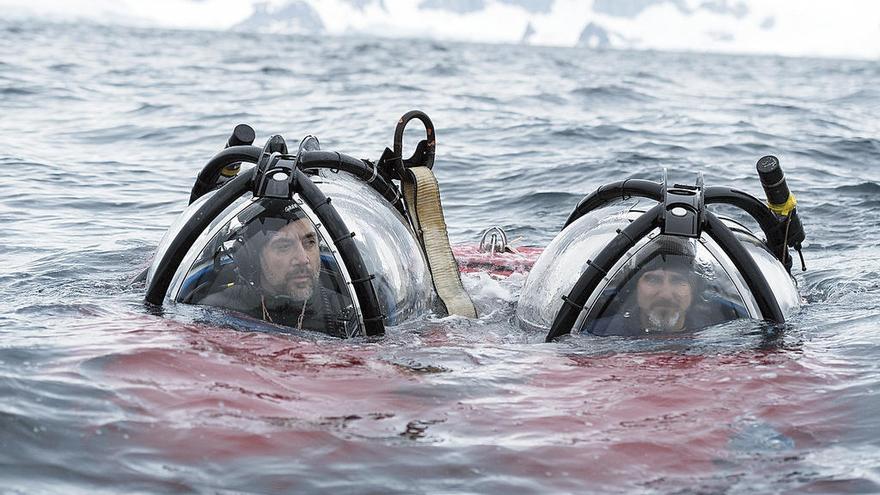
(665, 285)
(715, 290)
(272, 262)
(386, 243)
(562, 263)
(174, 230)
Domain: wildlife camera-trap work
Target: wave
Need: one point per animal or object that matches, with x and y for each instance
(610, 94)
(859, 147)
(865, 188)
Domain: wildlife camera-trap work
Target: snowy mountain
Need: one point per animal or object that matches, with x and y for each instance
(842, 28)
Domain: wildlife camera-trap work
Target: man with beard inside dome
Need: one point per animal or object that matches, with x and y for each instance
(278, 273)
(662, 293)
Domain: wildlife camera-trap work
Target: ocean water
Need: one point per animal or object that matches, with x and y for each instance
(104, 129)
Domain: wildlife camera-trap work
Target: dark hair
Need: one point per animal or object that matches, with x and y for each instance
(258, 228)
(663, 253)
(673, 254)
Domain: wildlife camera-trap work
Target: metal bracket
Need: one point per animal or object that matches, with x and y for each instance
(683, 209)
(493, 240)
(275, 177)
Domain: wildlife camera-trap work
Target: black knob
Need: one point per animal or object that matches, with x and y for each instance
(243, 134)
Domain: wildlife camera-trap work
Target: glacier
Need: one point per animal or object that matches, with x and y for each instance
(820, 28)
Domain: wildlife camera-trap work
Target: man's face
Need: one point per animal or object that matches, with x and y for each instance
(290, 261)
(664, 297)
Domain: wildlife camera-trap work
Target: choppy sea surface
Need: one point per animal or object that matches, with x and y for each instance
(103, 131)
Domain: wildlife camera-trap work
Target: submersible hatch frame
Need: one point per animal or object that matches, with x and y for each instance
(681, 211)
(280, 175)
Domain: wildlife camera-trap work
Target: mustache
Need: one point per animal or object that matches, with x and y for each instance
(297, 272)
(664, 303)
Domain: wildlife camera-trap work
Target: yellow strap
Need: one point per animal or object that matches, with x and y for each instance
(785, 208)
(422, 195)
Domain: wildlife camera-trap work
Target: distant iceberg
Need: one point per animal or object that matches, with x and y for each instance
(825, 28)
(297, 17)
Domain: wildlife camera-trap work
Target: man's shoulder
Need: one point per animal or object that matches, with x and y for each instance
(236, 298)
(621, 323)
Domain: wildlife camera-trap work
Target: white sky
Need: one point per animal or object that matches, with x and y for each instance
(836, 28)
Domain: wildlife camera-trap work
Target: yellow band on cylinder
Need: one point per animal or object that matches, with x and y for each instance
(230, 170)
(785, 208)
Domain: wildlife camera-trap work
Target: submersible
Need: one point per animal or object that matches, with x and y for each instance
(312, 239)
(618, 268)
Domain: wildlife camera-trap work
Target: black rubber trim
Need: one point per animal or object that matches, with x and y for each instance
(354, 263)
(598, 267)
(711, 195)
(614, 191)
(337, 161)
(191, 231)
(746, 265)
(211, 171)
(756, 209)
(333, 160)
(379, 318)
(576, 306)
(362, 280)
(348, 235)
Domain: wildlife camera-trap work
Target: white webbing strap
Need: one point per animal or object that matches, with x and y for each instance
(422, 195)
